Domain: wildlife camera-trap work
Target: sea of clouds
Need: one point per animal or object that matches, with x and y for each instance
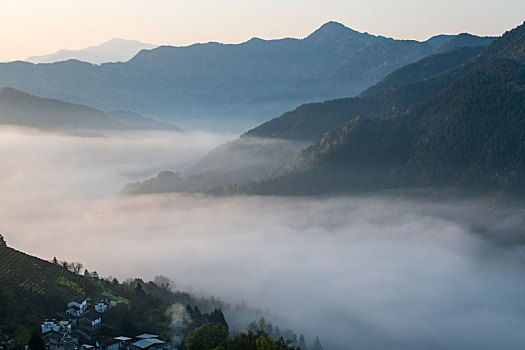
(385, 270)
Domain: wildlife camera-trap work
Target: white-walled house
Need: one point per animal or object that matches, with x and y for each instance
(63, 327)
(57, 341)
(90, 321)
(50, 325)
(77, 306)
(102, 305)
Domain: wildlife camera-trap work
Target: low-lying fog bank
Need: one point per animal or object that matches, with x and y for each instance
(369, 272)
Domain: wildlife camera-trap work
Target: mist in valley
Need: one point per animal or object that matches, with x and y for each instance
(365, 272)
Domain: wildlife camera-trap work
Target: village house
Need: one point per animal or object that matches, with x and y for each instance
(87, 347)
(146, 336)
(148, 342)
(102, 305)
(125, 342)
(57, 341)
(90, 321)
(77, 306)
(109, 344)
(62, 327)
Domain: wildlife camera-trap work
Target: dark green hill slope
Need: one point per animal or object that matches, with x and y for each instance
(464, 40)
(33, 289)
(471, 136)
(398, 91)
(425, 68)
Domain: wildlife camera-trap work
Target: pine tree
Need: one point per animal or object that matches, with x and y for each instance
(302, 343)
(317, 344)
(262, 324)
(217, 317)
(277, 332)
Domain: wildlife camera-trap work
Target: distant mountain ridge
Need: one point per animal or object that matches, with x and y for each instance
(468, 135)
(453, 119)
(114, 50)
(227, 87)
(22, 109)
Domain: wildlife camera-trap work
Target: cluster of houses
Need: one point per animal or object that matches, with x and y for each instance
(79, 322)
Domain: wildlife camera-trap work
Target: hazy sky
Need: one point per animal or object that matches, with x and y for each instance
(30, 27)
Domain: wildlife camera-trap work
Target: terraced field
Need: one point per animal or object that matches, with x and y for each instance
(34, 289)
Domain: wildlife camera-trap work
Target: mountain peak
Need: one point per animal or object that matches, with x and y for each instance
(332, 30)
(333, 25)
(510, 45)
(113, 50)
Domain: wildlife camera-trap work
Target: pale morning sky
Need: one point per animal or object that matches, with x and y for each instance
(34, 27)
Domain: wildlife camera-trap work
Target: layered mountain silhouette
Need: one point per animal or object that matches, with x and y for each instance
(228, 87)
(468, 135)
(22, 109)
(114, 50)
(454, 119)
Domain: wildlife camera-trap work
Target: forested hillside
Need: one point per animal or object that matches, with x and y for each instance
(32, 290)
(240, 162)
(394, 94)
(470, 135)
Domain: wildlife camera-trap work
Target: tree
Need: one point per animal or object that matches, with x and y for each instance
(243, 341)
(138, 289)
(256, 341)
(302, 343)
(217, 317)
(3, 243)
(276, 332)
(163, 282)
(262, 325)
(266, 343)
(317, 344)
(76, 267)
(36, 342)
(55, 261)
(252, 327)
(206, 337)
(21, 336)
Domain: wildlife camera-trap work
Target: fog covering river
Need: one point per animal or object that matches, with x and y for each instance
(362, 272)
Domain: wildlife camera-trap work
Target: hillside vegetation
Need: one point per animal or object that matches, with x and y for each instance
(469, 134)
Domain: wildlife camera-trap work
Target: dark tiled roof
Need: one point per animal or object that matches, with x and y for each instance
(91, 315)
(78, 299)
(147, 336)
(146, 343)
